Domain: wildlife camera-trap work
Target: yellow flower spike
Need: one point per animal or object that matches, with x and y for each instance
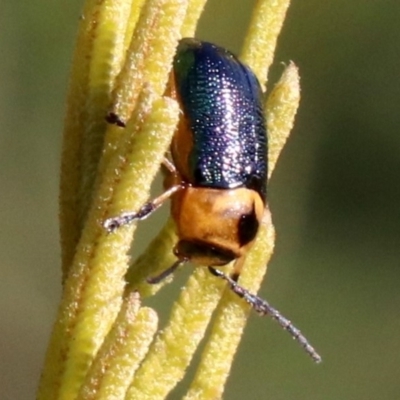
(148, 60)
(106, 57)
(151, 52)
(173, 348)
(108, 261)
(194, 11)
(94, 288)
(232, 313)
(230, 320)
(119, 356)
(136, 8)
(71, 303)
(280, 109)
(260, 42)
(71, 174)
(156, 258)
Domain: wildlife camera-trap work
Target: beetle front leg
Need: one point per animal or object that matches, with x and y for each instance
(170, 167)
(111, 224)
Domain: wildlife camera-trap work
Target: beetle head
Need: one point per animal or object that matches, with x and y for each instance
(215, 226)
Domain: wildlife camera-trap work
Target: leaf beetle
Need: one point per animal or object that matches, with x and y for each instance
(217, 178)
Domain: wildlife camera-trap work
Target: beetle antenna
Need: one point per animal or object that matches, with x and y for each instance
(264, 308)
(167, 272)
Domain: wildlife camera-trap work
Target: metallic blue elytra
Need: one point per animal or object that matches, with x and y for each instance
(222, 101)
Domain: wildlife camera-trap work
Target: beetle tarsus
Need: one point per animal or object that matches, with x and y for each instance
(262, 307)
(146, 210)
(112, 224)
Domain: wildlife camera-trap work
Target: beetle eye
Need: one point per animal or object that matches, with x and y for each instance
(247, 227)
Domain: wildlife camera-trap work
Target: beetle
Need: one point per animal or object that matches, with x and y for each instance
(217, 179)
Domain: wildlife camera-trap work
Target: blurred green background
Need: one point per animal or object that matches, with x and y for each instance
(334, 196)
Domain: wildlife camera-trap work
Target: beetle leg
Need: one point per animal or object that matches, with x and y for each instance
(264, 308)
(169, 166)
(237, 268)
(167, 272)
(111, 224)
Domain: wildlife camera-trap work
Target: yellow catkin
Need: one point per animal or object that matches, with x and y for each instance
(260, 41)
(150, 55)
(173, 348)
(71, 173)
(72, 169)
(136, 9)
(280, 109)
(106, 59)
(94, 288)
(148, 61)
(93, 291)
(107, 259)
(193, 13)
(119, 356)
